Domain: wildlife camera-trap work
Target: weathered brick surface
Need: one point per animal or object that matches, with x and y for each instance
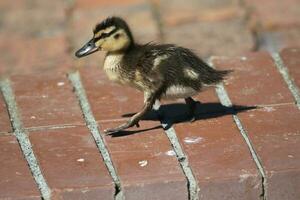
(16, 181)
(42, 36)
(37, 40)
(200, 25)
(220, 159)
(209, 38)
(91, 4)
(254, 81)
(34, 19)
(287, 37)
(72, 164)
(109, 100)
(146, 163)
(177, 12)
(207, 96)
(276, 23)
(274, 132)
(46, 100)
(25, 55)
(4, 118)
(273, 14)
(276, 40)
(291, 59)
(85, 193)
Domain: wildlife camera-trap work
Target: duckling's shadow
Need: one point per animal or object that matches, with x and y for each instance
(170, 114)
(126, 132)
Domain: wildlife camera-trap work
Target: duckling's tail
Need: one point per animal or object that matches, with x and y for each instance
(223, 73)
(216, 76)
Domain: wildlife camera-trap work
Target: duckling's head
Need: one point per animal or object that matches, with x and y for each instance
(112, 35)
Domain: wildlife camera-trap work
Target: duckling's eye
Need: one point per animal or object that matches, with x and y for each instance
(117, 36)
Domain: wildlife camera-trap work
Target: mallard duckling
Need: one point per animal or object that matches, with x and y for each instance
(159, 70)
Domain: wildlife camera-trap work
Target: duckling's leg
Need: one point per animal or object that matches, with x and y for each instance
(156, 108)
(191, 103)
(156, 105)
(134, 120)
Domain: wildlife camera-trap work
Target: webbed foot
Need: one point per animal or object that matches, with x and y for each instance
(128, 124)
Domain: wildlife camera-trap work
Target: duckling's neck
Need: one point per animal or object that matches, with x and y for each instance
(113, 60)
(112, 64)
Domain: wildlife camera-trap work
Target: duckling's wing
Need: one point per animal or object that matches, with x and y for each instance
(207, 74)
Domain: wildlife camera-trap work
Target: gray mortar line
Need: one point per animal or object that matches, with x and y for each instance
(94, 129)
(23, 139)
(274, 104)
(157, 18)
(285, 74)
(225, 101)
(193, 187)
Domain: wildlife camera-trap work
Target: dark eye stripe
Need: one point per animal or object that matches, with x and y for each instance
(104, 35)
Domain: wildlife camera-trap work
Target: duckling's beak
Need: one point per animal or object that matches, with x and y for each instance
(87, 49)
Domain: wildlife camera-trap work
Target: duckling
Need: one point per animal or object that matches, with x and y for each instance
(160, 71)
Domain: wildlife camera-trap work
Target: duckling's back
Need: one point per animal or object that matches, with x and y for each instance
(177, 70)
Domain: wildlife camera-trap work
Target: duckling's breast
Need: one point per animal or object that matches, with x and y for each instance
(112, 67)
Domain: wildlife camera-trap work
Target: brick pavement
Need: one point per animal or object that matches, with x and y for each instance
(53, 129)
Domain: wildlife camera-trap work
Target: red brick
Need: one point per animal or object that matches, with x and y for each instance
(9, 5)
(220, 159)
(207, 96)
(209, 38)
(146, 164)
(276, 40)
(34, 19)
(109, 100)
(4, 118)
(46, 99)
(274, 132)
(255, 80)
(288, 37)
(283, 184)
(209, 102)
(16, 180)
(291, 59)
(86, 193)
(274, 14)
(177, 12)
(71, 163)
(26, 55)
(200, 25)
(36, 39)
(92, 4)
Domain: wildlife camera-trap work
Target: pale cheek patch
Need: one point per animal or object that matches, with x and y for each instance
(190, 73)
(120, 43)
(111, 44)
